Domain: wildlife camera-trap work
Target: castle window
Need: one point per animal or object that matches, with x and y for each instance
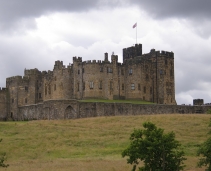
(12, 100)
(91, 85)
(100, 85)
(78, 86)
(123, 86)
(143, 97)
(40, 95)
(82, 70)
(26, 88)
(161, 72)
(54, 87)
(111, 85)
(150, 90)
(139, 87)
(78, 71)
(147, 77)
(122, 71)
(101, 69)
(45, 89)
(130, 71)
(49, 89)
(132, 86)
(166, 62)
(61, 86)
(83, 85)
(25, 100)
(109, 70)
(144, 89)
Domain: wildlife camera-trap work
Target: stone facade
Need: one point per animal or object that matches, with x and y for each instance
(73, 109)
(3, 103)
(148, 77)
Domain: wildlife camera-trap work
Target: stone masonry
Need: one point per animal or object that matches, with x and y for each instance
(148, 77)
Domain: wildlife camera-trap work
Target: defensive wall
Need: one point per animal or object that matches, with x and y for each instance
(73, 109)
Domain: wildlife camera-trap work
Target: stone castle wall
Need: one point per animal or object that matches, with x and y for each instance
(148, 77)
(72, 109)
(3, 103)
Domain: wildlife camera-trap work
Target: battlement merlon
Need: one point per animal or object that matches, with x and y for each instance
(28, 72)
(165, 54)
(14, 78)
(3, 89)
(114, 58)
(132, 51)
(59, 65)
(75, 59)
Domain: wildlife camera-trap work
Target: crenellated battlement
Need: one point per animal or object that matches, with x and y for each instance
(132, 51)
(148, 77)
(3, 89)
(14, 78)
(19, 79)
(28, 72)
(75, 59)
(92, 62)
(59, 65)
(114, 57)
(165, 53)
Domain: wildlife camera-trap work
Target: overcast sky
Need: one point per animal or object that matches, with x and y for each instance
(34, 34)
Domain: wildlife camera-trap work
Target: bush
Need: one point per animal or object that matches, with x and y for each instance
(157, 150)
(205, 151)
(2, 159)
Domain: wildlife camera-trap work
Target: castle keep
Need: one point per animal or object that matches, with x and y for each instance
(148, 77)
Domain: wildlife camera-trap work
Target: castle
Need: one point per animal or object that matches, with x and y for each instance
(148, 77)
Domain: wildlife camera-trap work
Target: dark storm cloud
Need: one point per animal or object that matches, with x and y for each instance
(193, 9)
(12, 11)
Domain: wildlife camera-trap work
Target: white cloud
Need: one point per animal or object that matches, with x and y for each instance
(37, 43)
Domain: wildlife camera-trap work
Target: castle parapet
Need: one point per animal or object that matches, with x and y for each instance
(14, 78)
(28, 72)
(165, 53)
(132, 51)
(75, 59)
(3, 89)
(58, 65)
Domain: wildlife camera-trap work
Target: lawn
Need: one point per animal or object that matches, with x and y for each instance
(91, 144)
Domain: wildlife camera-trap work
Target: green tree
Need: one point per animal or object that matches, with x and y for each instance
(2, 159)
(205, 151)
(158, 151)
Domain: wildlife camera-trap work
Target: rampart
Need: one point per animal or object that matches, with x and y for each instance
(3, 103)
(73, 109)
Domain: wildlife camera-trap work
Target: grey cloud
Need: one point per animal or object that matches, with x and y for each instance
(14, 10)
(179, 8)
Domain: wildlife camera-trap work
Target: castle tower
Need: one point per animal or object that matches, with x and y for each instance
(132, 52)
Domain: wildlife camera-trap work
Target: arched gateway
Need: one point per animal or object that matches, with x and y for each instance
(69, 113)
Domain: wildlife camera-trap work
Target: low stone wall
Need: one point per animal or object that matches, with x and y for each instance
(72, 109)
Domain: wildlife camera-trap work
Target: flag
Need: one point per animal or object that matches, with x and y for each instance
(134, 26)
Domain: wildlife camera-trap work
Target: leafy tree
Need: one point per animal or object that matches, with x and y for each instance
(158, 151)
(205, 151)
(2, 159)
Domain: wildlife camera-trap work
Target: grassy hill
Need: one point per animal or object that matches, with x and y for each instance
(91, 144)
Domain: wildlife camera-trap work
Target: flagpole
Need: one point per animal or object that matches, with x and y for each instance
(136, 32)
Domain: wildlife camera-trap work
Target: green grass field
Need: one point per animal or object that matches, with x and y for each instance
(91, 144)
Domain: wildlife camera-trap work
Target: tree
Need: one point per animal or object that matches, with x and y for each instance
(158, 151)
(205, 151)
(2, 159)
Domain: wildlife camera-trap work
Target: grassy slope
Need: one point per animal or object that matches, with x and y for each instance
(91, 144)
